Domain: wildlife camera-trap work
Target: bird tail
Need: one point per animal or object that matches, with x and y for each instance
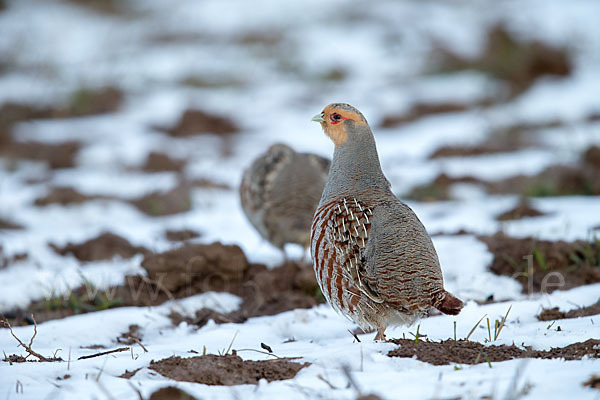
(450, 304)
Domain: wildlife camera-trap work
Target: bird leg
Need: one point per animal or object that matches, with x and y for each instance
(380, 334)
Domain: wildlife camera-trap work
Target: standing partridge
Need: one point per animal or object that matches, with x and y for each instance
(280, 192)
(374, 261)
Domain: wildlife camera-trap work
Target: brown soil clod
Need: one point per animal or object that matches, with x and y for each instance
(591, 157)
(87, 101)
(469, 151)
(81, 103)
(157, 204)
(104, 247)
(264, 292)
(466, 352)
(210, 267)
(156, 162)
(225, 370)
(551, 314)
(14, 358)
(555, 265)
(132, 336)
(64, 196)
(556, 180)
(522, 210)
(205, 183)
(181, 235)
(8, 225)
(439, 188)
(57, 156)
(197, 268)
(459, 232)
(515, 61)
(193, 122)
(112, 7)
(171, 393)
(420, 110)
(5, 261)
(186, 271)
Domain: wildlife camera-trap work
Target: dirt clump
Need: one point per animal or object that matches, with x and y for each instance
(82, 102)
(591, 157)
(459, 232)
(171, 393)
(5, 261)
(14, 358)
(225, 370)
(500, 139)
(555, 265)
(111, 7)
(8, 225)
(158, 204)
(88, 101)
(264, 292)
(132, 336)
(469, 151)
(186, 271)
(64, 195)
(420, 110)
(439, 188)
(181, 235)
(205, 183)
(156, 162)
(520, 211)
(198, 268)
(193, 122)
(466, 352)
(551, 314)
(556, 180)
(12, 113)
(104, 247)
(56, 156)
(519, 63)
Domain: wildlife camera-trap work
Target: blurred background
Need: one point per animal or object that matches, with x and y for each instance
(126, 126)
(136, 117)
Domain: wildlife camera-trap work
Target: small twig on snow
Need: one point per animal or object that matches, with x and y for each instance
(103, 353)
(27, 348)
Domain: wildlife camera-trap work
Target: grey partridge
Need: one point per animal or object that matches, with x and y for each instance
(280, 192)
(374, 261)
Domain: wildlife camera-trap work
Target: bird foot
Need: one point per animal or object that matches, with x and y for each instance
(380, 334)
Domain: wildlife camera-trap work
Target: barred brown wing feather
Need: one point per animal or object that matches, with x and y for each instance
(348, 232)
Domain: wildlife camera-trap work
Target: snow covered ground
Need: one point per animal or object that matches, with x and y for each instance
(269, 62)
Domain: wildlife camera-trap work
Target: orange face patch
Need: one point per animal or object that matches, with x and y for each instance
(333, 125)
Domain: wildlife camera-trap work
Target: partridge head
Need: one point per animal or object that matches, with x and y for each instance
(374, 260)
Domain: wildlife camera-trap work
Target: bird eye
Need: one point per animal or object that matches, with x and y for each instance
(336, 117)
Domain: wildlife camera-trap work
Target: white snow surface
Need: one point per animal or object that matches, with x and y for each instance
(271, 91)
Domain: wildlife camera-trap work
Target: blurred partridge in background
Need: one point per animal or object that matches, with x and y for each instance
(280, 192)
(373, 258)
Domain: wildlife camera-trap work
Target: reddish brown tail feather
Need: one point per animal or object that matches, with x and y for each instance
(450, 304)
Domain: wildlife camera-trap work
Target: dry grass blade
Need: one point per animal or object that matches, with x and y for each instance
(231, 344)
(501, 324)
(474, 327)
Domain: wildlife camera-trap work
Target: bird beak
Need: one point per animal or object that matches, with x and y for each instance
(319, 118)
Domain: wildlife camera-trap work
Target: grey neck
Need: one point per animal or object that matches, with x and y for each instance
(355, 169)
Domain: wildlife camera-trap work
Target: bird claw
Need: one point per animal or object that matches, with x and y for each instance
(380, 335)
